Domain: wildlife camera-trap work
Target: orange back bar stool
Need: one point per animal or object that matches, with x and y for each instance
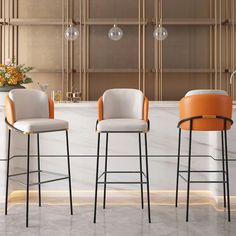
(205, 110)
(31, 112)
(122, 111)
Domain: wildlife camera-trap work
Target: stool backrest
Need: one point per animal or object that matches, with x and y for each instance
(123, 103)
(206, 103)
(29, 103)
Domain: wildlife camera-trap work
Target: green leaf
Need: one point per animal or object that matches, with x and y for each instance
(27, 80)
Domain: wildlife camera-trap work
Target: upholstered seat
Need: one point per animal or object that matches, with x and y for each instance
(122, 110)
(125, 125)
(40, 125)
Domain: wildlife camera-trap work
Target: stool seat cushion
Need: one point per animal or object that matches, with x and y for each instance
(206, 91)
(122, 125)
(40, 125)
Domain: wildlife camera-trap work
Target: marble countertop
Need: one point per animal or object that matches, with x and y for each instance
(153, 104)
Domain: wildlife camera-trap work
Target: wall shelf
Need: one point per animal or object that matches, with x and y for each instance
(108, 21)
(186, 70)
(40, 22)
(107, 70)
(188, 21)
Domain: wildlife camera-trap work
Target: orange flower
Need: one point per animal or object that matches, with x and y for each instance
(2, 80)
(11, 69)
(13, 80)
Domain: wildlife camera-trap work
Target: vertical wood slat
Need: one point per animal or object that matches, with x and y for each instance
(155, 54)
(233, 44)
(3, 34)
(87, 49)
(1, 27)
(144, 47)
(71, 16)
(210, 45)
(161, 50)
(84, 50)
(80, 48)
(215, 43)
(139, 44)
(63, 46)
(220, 43)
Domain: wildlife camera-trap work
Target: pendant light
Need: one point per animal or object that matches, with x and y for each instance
(71, 33)
(160, 33)
(115, 33)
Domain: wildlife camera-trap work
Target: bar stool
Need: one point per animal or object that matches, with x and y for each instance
(205, 110)
(122, 111)
(32, 112)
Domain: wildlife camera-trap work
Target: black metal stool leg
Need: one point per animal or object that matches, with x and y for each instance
(223, 166)
(189, 169)
(147, 175)
(141, 167)
(105, 174)
(227, 172)
(69, 175)
(8, 167)
(39, 169)
(177, 177)
(27, 185)
(96, 185)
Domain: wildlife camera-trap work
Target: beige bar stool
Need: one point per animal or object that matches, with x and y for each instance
(205, 110)
(32, 112)
(122, 111)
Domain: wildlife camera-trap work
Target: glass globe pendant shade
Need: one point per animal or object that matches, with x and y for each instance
(160, 33)
(71, 33)
(115, 33)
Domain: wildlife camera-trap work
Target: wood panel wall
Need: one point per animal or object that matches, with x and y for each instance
(198, 53)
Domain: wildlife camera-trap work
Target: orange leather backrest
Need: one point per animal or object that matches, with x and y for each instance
(100, 109)
(10, 111)
(51, 108)
(205, 104)
(145, 108)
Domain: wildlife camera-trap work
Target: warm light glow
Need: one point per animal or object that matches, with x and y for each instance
(85, 197)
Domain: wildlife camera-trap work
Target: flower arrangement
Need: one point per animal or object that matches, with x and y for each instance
(12, 74)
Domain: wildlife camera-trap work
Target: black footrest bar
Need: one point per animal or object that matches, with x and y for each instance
(120, 172)
(202, 171)
(122, 182)
(202, 181)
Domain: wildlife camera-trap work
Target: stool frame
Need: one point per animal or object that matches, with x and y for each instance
(225, 168)
(39, 171)
(105, 172)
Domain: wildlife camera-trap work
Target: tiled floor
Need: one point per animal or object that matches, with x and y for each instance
(116, 221)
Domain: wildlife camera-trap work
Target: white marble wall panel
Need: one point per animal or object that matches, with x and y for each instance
(162, 140)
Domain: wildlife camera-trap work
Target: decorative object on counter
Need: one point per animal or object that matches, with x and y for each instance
(43, 87)
(160, 33)
(115, 33)
(13, 76)
(205, 110)
(123, 111)
(71, 33)
(73, 96)
(57, 96)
